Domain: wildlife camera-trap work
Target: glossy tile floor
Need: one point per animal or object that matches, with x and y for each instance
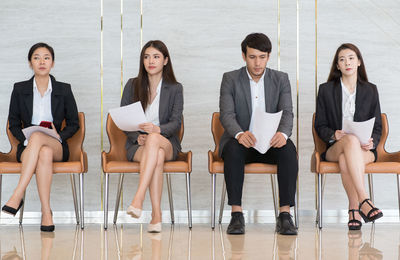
(131, 241)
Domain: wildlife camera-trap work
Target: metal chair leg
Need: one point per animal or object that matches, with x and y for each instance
(319, 201)
(171, 201)
(21, 212)
(213, 177)
(221, 208)
(323, 181)
(189, 199)
(296, 207)
(82, 201)
(105, 200)
(371, 187)
(398, 191)
(73, 186)
(274, 195)
(117, 202)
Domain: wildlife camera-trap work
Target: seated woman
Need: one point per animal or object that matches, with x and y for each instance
(33, 102)
(348, 95)
(162, 100)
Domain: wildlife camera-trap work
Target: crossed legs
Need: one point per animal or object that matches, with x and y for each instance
(151, 156)
(352, 160)
(38, 157)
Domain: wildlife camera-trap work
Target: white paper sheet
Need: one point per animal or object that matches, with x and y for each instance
(263, 126)
(128, 118)
(363, 130)
(30, 130)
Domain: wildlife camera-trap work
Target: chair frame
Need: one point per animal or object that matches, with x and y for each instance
(215, 161)
(117, 150)
(386, 163)
(9, 165)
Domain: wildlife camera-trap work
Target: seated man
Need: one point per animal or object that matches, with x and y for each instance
(257, 87)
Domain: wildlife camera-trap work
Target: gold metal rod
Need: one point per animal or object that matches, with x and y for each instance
(141, 24)
(101, 90)
(279, 34)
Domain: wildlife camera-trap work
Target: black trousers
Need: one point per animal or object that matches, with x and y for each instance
(236, 156)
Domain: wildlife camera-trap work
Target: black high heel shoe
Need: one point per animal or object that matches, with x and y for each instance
(368, 218)
(353, 220)
(49, 228)
(11, 210)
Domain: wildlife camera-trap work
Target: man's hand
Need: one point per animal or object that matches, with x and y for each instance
(141, 139)
(278, 140)
(150, 128)
(368, 146)
(247, 139)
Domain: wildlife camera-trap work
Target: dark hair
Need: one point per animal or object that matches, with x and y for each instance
(141, 84)
(335, 73)
(40, 45)
(257, 41)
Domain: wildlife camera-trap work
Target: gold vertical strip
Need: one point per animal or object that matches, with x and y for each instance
(122, 46)
(297, 93)
(279, 34)
(101, 90)
(141, 24)
(316, 81)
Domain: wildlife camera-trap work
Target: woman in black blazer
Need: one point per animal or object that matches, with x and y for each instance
(162, 100)
(348, 95)
(34, 102)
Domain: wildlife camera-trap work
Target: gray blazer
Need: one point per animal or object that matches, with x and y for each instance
(170, 116)
(235, 102)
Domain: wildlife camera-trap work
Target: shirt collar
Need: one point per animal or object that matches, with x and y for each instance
(344, 88)
(251, 79)
(49, 86)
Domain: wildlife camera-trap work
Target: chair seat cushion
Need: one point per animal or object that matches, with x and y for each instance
(134, 167)
(260, 168)
(58, 167)
(377, 167)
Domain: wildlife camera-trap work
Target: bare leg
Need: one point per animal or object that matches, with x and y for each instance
(29, 159)
(353, 161)
(147, 155)
(155, 188)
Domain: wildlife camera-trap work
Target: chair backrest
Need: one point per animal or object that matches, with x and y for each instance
(320, 146)
(75, 143)
(217, 130)
(118, 138)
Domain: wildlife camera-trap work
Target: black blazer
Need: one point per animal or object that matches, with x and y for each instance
(63, 106)
(169, 113)
(328, 116)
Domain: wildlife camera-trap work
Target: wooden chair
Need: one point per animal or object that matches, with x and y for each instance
(115, 161)
(76, 164)
(386, 163)
(216, 166)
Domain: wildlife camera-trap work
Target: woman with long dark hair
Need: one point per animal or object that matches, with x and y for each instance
(40, 101)
(162, 100)
(349, 96)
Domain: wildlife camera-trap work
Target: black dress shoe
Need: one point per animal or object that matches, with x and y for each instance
(47, 228)
(11, 210)
(284, 224)
(236, 226)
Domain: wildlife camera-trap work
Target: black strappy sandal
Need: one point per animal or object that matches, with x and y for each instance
(353, 219)
(368, 218)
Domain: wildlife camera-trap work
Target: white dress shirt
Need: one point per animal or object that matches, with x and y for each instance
(152, 110)
(257, 96)
(348, 102)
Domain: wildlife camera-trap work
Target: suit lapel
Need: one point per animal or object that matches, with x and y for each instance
(164, 97)
(28, 97)
(267, 90)
(359, 97)
(245, 82)
(55, 95)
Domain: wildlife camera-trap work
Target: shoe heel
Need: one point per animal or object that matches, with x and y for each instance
(364, 217)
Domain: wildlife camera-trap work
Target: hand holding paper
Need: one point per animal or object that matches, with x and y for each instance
(128, 118)
(363, 130)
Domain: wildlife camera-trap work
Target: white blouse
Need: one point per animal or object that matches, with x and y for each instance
(41, 105)
(152, 110)
(348, 102)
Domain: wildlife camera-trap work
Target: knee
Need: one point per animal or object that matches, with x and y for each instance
(233, 148)
(45, 155)
(36, 138)
(351, 142)
(160, 158)
(152, 139)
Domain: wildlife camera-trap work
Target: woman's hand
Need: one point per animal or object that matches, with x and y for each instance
(141, 139)
(150, 128)
(55, 131)
(369, 145)
(339, 134)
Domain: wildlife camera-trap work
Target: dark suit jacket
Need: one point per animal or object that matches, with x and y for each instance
(328, 116)
(235, 102)
(63, 106)
(170, 115)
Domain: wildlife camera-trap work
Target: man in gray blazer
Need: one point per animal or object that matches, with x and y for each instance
(242, 91)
